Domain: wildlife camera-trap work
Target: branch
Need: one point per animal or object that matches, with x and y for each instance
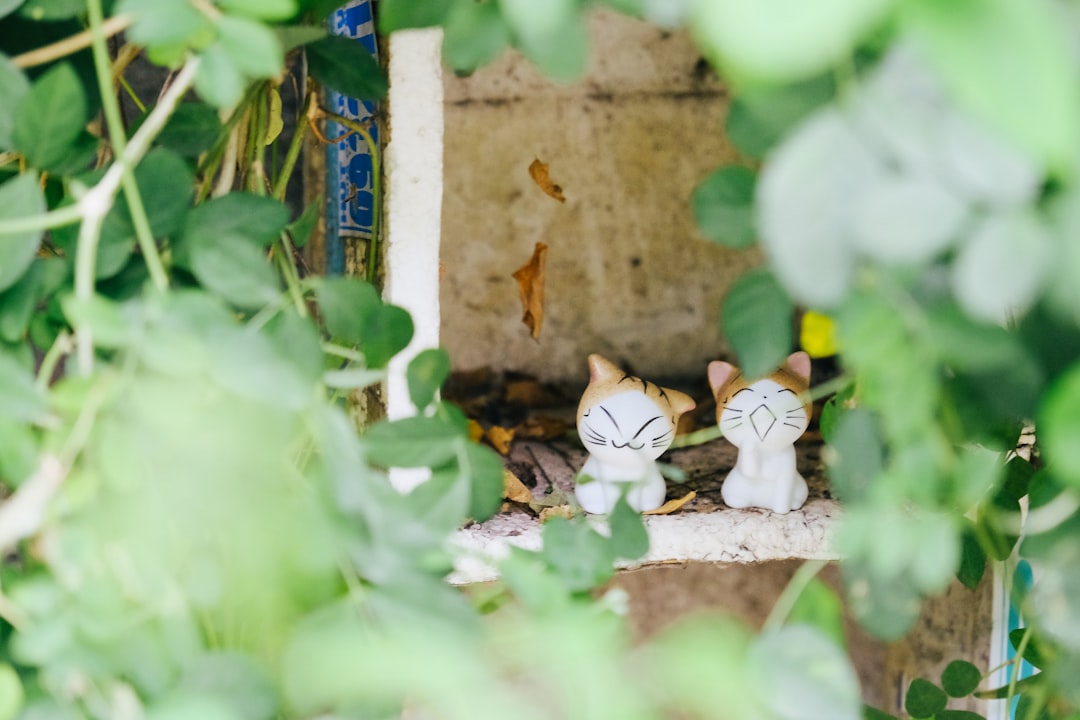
(23, 513)
(70, 44)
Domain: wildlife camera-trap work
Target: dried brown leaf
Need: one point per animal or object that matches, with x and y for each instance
(476, 432)
(530, 281)
(538, 171)
(672, 505)
(514, 489)
(500, 438)
(563, 511)
(542, 428)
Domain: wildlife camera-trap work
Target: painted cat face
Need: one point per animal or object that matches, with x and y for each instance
(624, 420)
(768, 412)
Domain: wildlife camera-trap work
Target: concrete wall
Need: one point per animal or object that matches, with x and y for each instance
(628, 275)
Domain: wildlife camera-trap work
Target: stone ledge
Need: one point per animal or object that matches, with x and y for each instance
(723, 536)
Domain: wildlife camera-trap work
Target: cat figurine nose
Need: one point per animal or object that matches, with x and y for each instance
(763, 419)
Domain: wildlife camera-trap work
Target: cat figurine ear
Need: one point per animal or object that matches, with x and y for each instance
(763, 418)
(625, 423)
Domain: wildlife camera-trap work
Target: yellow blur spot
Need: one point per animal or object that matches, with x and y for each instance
(818, 334)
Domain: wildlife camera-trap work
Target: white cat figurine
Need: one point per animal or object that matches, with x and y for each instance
(763, 418)
(625, 423)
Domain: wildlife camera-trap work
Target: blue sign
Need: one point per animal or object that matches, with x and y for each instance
(350, 182)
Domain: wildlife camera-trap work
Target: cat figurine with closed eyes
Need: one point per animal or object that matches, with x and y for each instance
(625, 423)
(763, 419)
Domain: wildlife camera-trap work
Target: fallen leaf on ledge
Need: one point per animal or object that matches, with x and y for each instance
(538, 171)
(530, 281)
(672, 505)
(563, 511)
(514, 489)
(476, 431)
(500, 438)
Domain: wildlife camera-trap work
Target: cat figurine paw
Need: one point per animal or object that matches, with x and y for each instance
(625, 423)
(763, 419)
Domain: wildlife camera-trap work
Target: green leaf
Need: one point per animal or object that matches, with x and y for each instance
(301, 228)
(1059, 423)
(972, 558)
(404, 14)
(20, 399)
(819, 607)
(413, 442)
(9, 6)
(256, 366)
(293, 36)
(474, 34)
(256, 218)
(235, 269)
(160, 23)
(269, 10)
(253, 47)
(50, 117)
(903, 220)
(386, 333)
(345, 65)
(191, 129)
(219, 81)
(804, 198)
(629, 537)
(752, 40)
(924, 699)
(52, 10)
(343, 302)
(581, 557)
(234, 679)
(760, 116)
(165, 186)
(484, 468)
(18, 452)
(526, 576)
(960, 678)
(870, 713)
(723, 205)
(13, 87)
(756, 319)
(426, 374)
(111, 324)
(963, 41)
(17, 303)
(999, 270)
(20, 197)
(551, 34)
(1036, 652)
(11, 692)
(886, 606)
(804, 675)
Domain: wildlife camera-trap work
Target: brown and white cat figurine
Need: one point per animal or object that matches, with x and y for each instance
(763, 418)
(625, 423)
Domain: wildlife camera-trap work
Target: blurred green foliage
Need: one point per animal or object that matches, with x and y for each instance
(192, 526)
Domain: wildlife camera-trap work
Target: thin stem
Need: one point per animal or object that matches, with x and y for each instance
(342, 352)
(376, 188)
(698, 437)
(786, 602)
(103, 68)
(60, 347)
(71, 44)
(95, 204)
(131, 93)
(291, 274)
(54, 218)
(1018, 664)
(291, 155)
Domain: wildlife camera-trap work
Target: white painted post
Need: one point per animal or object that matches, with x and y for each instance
(414, 172)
